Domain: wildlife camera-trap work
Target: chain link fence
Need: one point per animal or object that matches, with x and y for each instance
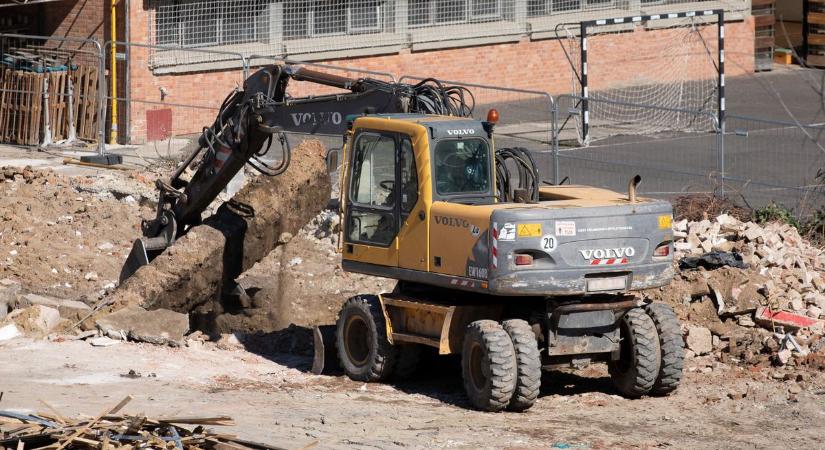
(326, 29)
(755, 160)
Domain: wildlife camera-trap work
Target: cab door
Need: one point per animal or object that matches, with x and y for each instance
(373, 206)
(413, 251)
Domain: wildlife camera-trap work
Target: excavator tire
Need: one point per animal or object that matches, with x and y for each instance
(488, 365)
(635, 372)
(361, 339)
(672, 346)
(528, 364)
(406, 363)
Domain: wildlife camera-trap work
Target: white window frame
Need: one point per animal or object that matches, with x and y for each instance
(215, 15)
(470, 16)
(349, 28)
(379, 19)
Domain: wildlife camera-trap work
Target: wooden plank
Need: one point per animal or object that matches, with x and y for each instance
(764, 42)
(4, 79)
(815, 60)
(92, 423)
(764, 21)
(816, 17)
(816, 39)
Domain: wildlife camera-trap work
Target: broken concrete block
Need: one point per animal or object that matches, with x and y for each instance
(68, 309)
(681, 225)
(706, 246)
(102, 341)
(814, 311)
(795, 300)
(784, 356)
(159, 326)
(699, 340)
(37, 319)
(9, 332)
(682, 246)
(694, 240)
(746, 321)
(723, 245)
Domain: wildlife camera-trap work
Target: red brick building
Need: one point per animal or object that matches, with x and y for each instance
(508, 43)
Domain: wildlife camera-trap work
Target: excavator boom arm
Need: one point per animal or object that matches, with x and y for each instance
(251, 120)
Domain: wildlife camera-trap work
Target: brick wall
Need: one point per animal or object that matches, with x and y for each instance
(534, 65)
(76, 18)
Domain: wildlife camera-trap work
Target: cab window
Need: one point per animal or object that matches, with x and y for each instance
(372, 216)
(462, 166)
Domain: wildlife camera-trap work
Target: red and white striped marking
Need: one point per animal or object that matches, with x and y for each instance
(608, 262)
(494, 250)
(462, 283)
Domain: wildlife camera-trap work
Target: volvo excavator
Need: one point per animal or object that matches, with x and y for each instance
(514, 274)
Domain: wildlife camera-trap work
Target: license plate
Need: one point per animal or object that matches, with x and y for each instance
(606, 284)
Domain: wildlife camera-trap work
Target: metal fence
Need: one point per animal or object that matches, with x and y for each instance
(754, 160)
(318, 29)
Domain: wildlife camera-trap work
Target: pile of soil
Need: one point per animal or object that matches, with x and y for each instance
(66, 237)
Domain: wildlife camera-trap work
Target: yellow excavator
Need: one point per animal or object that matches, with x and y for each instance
(515, 275)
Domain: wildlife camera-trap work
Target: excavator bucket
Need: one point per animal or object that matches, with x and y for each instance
(326, 357)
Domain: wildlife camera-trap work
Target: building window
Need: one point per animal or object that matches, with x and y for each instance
(189, 23)
(303, 19)
(442, 12)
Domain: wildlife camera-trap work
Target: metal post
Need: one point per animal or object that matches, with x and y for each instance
(554, 139)
(721, 100)
(583, 76)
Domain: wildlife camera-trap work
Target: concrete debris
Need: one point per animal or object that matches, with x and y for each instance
(102, 341)
(768, 313)
(699, 340)
(38, 320)
(160, 326)
(9, 332)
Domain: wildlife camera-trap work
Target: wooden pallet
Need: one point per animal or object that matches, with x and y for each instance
(22, 114)
(21, 107)
(86, 102)
(764, 21)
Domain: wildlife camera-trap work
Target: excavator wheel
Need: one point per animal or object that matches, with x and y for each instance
(636, 369)
(528, 364)
(488, 365)
(672, 346)
(361, 339)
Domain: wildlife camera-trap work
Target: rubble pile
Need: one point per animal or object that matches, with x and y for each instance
(748, 293)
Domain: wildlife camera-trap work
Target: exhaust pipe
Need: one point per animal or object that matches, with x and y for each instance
(631, 188)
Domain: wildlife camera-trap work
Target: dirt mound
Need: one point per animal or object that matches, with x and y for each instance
(300, 283)
(65, 236)
(203, 265)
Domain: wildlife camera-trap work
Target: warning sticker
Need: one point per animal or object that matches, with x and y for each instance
(507, 232)
(529, 230)
(565, 228)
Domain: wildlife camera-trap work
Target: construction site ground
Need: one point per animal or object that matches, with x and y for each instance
(65, 231)
(273, 400)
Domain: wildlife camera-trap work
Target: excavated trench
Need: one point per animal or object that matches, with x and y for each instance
(197, 274)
